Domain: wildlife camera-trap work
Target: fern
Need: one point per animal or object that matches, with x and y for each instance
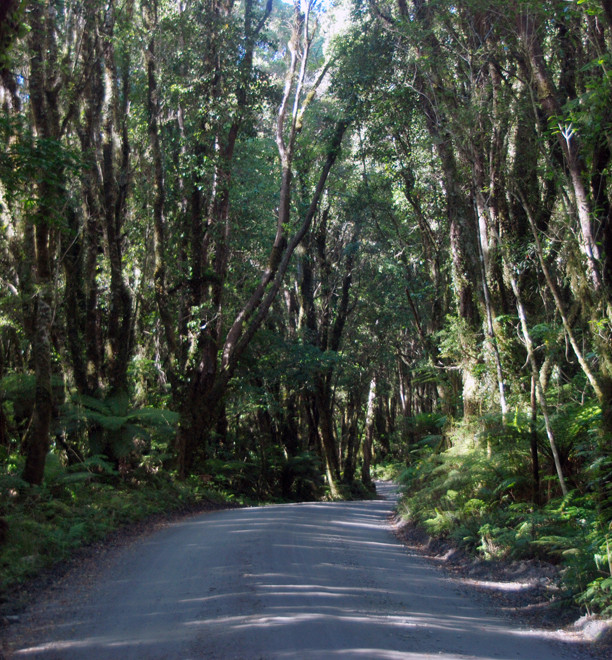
(113, 427)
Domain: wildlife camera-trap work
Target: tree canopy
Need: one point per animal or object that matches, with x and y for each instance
(271, 245)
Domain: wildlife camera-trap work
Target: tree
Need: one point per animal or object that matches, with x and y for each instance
(10, 17)
(218, 343)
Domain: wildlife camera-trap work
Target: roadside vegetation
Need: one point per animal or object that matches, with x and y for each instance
(71, 509)
(478, 491)
(85, 502)
(249, 249)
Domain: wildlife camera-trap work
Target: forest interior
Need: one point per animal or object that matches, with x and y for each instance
(263, 251)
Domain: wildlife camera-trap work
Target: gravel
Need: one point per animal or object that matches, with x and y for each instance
(313, 580)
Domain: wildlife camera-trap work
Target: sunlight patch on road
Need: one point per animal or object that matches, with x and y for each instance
(316, 588)
(500, 586)
(360, 524)
(379, 654)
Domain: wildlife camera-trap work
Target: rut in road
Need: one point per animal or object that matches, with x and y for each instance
(315, 580)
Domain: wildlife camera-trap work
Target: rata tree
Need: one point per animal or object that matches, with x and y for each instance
(213, 319)
(524, 183)
(37, 168)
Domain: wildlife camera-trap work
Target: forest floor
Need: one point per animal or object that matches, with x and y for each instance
(527, 590)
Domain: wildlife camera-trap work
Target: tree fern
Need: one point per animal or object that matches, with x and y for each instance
(114, 428)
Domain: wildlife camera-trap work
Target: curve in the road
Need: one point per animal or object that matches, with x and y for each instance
(319, 580)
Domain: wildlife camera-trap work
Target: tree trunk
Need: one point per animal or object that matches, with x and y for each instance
(46, 123)
(159, 194)
(533, 441)
(115, 182)
(368, 439)
(534, 371)
(38, 440)
(352, 441)
(570, 146)
(489, 313)
(89, 132)
(323, 403)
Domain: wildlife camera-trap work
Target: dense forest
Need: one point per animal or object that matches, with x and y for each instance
(265, 249)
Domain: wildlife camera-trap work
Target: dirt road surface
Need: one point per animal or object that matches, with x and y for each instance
(320, 580)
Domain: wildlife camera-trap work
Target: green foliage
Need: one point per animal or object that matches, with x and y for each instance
(20, 390)
(12, 27)
(29, 164)
(482, 502)
(268, 476)
(388, 470)
(17, 395)
(440, 485)
(356, 490)
(458, 341)
(427, 427)
(122, 430)
(571, 532)
(235, 478)
(10, 486)
(357, 78)
(290, 361)
(76, 506)
(302, 478)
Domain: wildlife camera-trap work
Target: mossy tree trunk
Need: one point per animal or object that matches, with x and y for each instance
(37, 241)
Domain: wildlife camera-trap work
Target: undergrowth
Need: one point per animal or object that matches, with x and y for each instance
(82, 503)
(479, 493)
(388, 471)
(78, 506)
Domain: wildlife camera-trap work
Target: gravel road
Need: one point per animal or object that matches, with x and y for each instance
(320, 580)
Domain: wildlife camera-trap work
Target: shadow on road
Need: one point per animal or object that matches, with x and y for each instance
(317, 580)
